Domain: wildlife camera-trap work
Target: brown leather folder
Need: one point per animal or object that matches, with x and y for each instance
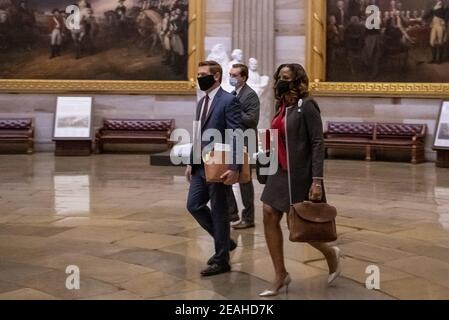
(215, 166)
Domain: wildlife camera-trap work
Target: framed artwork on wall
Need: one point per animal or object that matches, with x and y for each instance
(100, 46)
(442, 129)
(378, 47)
(73, 119)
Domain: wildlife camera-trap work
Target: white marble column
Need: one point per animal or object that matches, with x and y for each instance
(253, 31)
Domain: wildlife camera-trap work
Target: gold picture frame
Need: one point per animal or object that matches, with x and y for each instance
(316, 66)
(188, 87)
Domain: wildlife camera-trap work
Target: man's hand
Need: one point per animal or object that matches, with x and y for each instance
(230, 177)
(316, 191)
(189, 174)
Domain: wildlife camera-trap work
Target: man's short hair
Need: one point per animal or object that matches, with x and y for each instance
(243, 70)
(214, 67)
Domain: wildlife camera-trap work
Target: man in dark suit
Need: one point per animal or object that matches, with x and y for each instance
(249, 100)
(218, 111)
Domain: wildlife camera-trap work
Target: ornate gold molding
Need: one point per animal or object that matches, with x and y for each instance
(195, 51)
(316, 66)
(79, 86)
(412, 90)
(315, 39)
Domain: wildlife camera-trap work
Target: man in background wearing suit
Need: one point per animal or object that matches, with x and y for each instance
(341, 15)
(218, 110)
(250, 119)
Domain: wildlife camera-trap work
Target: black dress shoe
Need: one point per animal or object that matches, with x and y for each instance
(232, 247)
(234, 217)
(215, 269)
(244, 225)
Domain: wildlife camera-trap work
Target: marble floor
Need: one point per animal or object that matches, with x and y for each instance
(125, 226)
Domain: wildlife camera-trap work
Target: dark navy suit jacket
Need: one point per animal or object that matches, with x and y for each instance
(225, 112)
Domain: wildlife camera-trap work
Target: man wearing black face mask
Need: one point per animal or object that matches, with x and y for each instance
(221, 111)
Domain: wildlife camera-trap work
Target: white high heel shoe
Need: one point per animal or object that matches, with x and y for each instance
(272, 293)
(337, 273)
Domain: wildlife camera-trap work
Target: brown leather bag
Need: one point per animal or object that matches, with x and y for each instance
(312, 222)
(215, 166)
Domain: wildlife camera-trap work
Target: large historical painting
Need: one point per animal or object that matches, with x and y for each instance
(410, 45)
(116, 40)
(401, 48)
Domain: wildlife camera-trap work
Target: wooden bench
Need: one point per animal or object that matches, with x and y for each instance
(142, 131)
(377, 136)
(18, 131)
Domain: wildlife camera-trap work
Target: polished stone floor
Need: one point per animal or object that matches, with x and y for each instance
(124, 224)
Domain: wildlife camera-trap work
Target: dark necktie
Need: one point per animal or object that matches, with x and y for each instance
(205, 110)
(234, 93)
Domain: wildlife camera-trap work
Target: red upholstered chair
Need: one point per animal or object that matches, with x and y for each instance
(377, 136)
(349, 135)
(17, 131)
(150, 131)
(402, 136)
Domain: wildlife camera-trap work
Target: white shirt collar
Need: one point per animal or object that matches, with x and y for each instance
(240, 89)
(213, 93)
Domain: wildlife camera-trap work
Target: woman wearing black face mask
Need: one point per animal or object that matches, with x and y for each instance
(300, 174)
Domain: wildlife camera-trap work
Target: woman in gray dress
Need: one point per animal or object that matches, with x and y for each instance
(300, 174)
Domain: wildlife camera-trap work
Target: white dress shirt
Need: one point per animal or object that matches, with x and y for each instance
(211, 95)
(197, 125)
(239, 89)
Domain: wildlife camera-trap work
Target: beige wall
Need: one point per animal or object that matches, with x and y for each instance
(290, 30)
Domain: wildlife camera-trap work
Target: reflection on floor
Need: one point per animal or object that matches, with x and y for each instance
(124, 224)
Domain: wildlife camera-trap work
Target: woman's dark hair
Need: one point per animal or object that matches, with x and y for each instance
(300, 87)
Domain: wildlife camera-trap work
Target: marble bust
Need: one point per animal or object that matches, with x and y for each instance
(218, 54)
(255, 80)
(237, 57)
